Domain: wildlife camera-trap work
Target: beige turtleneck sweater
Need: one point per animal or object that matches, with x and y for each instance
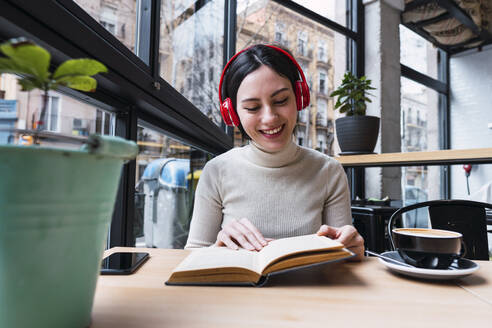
(288, 193)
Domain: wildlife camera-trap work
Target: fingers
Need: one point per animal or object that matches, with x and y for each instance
(224, 240)
(328, 231)
(241, 234)
(348, 236)
(257, 236)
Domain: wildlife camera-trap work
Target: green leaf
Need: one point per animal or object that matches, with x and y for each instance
(79, 82)
(28, 57)
(28, 84)
(84, 66)
(7, 65)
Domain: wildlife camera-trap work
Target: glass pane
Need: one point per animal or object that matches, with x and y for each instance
(166, 177)
(65, 115)
(190, 52)
(334, 10)
(471, 120)
(418, 53)
(319, 51)
(119, 17)
(419, 132)
(470, 89)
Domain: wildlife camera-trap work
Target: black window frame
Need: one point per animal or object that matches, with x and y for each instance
(133, 88)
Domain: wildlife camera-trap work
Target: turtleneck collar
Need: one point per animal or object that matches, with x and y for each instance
(283, 157)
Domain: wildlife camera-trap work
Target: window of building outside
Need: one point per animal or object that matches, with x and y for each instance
(191, 40)
(119, 17)
(53, 114)
(166, 178)
(419, 132)
(322, 51)
(302, 40)
(280, 34)
(315, 47)
(322, 82)
(65, 115)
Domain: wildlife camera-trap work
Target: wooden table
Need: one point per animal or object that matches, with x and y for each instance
(362, 294)
(437, 157)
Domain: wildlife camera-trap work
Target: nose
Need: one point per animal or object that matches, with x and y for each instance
(269, 114)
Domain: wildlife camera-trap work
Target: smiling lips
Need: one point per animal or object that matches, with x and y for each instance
(273, 132)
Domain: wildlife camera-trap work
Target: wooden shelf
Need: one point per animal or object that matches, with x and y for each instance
(439, 157)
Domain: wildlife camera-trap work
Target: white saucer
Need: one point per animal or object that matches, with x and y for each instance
(458, 269)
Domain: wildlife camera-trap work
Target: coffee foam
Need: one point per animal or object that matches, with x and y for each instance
(427, 232)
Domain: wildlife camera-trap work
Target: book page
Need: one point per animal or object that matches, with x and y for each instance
(293, 245)
(217, 257)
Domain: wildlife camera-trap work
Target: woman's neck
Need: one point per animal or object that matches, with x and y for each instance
(283, 157)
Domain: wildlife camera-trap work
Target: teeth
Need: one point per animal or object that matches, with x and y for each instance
(273, 131)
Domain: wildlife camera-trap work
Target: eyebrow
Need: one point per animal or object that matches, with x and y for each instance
(271, 96)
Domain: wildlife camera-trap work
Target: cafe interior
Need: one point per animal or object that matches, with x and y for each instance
(428, 164)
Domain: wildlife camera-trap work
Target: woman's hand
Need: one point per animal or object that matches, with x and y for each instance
(347, 235)
(241, 233)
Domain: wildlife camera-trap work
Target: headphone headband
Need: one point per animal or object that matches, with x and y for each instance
(301, 89)
(299, 69)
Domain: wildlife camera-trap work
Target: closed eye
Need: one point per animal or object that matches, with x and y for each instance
(253, 109)
(281, 102)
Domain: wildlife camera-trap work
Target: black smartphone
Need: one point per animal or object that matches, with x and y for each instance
(122, 262)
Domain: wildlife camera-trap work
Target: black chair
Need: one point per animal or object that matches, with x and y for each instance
(463, 216)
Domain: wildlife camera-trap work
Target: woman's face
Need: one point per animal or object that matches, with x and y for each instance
(266, 106)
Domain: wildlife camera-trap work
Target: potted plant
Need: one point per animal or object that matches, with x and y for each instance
(56, 205)
(356, 132)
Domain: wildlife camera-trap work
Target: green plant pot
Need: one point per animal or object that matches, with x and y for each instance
(56, 208)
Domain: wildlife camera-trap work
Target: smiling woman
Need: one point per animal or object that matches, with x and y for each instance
(267, 108)
(271, 188)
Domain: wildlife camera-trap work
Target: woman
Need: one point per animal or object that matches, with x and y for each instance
(271, 188)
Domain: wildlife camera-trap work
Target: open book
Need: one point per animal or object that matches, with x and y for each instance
(223, 266)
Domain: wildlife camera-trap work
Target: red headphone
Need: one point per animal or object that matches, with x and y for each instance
(301, 90)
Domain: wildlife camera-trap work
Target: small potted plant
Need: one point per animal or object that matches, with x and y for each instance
(56, 205)
(357, 133)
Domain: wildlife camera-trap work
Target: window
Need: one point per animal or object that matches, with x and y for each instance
(322, 56)
(322, 115)
(280, 34)
(302, 43)
(322, 82)
(166, 178)
(52, 114)
(188, 33)
(119, 17)
(418, 53)
(421, 116)
(104, 122)
(274, 21)
(334, 10)
(65, 115)
(419, 132)
(111, 27)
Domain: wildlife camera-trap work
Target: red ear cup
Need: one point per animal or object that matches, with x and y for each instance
(225, 112)
(305, 94)
(302, 95)
(298, 93)
(233, 114)
(228, 113)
